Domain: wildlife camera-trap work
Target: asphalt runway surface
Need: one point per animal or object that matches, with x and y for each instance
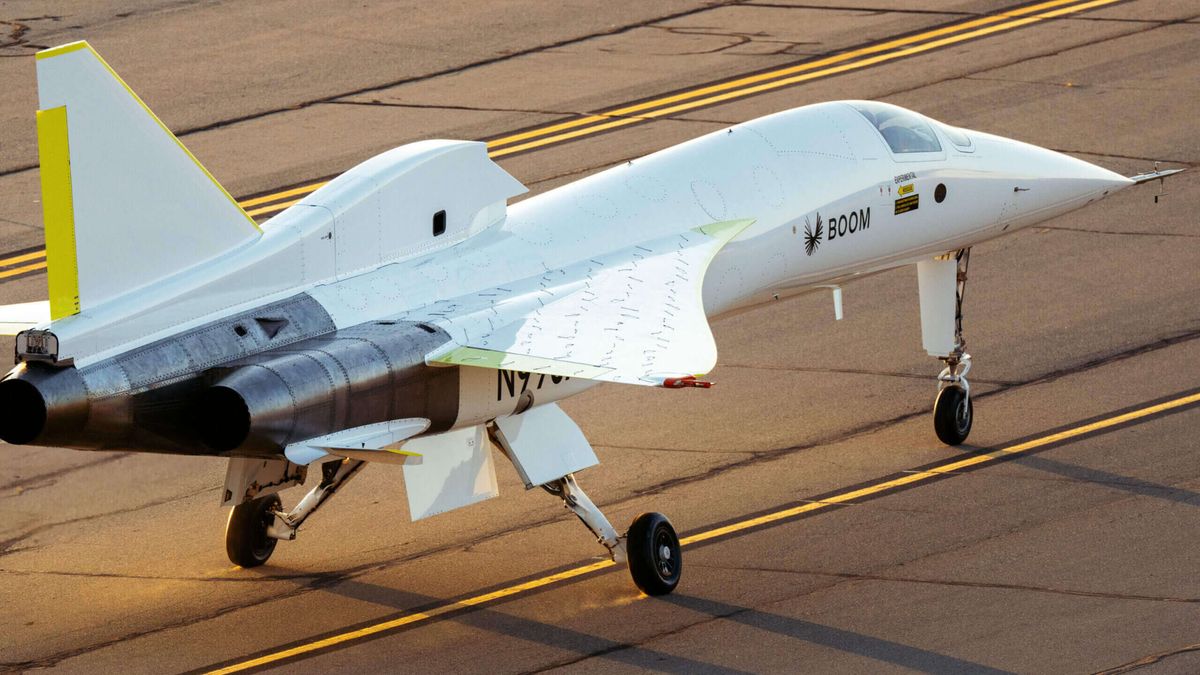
(826, 528)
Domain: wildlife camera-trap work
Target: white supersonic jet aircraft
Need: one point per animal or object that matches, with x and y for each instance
(404, 313)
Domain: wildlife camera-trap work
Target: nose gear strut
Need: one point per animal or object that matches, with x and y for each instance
(953, 411)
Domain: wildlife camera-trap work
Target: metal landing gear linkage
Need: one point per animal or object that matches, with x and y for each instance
(651, 546)
(255, 526)
(953, 410)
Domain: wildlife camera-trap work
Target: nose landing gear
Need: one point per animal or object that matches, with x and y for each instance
(941, 325)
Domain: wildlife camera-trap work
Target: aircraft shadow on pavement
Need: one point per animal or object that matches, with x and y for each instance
(1114, 481)
(558, 637)
(587, 645)
(1084, 474)
(895, 653)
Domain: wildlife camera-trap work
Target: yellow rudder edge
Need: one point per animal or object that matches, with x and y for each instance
(58, 211)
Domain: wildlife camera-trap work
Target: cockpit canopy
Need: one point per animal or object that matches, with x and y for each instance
(904, 131)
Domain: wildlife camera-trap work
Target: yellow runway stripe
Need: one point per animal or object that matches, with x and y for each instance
(754, 84)
(640, 108)
(789, 81)
(972, 461)
(733, 89)
(412, 618)
(22, 270)
(23, 258)
(301, 191)
(273, 207)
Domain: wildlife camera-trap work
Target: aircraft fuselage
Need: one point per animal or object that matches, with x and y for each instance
(834, 190)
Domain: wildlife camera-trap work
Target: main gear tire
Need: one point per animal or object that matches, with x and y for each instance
(655, 558)
(246, 540)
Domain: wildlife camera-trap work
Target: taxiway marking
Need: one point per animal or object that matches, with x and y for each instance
(698, 97)
(25, 269)
(944, 469)
(757, 84)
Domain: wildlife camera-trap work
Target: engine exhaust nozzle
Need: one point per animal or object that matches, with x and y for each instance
(41, 404)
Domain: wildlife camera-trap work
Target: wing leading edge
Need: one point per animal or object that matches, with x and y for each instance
(635, 316)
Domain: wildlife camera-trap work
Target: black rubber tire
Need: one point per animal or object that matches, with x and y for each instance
(655, 559)
(953, 413)
(246, 540)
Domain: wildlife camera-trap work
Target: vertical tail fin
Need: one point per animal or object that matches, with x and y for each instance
(125, 203)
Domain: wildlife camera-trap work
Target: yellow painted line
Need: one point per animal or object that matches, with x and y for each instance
(409, 619)
(273, 207)
(738, 88)
(733, 528)
(22, 270)
(772, 74)
(724, 91)
(918, 476)
(302, 190)
(22, 258)
(789, 81)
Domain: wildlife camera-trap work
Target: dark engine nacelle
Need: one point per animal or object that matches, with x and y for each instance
(43, 404)
(369, 373)
(225, 388)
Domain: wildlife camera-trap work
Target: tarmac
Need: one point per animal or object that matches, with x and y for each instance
(827, 529)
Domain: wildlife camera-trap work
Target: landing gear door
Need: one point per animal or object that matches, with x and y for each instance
(248, 478)
(544, 444)
(938, 283)
(455, 470)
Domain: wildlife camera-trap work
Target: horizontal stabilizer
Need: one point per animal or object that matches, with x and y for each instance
(16, 318)
(125, 203)
(371, 443)
(634, 316)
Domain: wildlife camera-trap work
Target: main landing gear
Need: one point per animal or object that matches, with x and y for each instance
(255, 526)
(953, 410)
(651, 546)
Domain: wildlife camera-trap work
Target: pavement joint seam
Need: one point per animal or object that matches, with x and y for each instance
(616, 30)
(859, 371)
(58, 473)
(1149, 660)
(7, 545)
(1185, 163)
(853, 576)
(1027, 57)
(865, 10)
(1084, 230)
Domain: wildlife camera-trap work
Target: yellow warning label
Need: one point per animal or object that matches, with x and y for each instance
(906, 204)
